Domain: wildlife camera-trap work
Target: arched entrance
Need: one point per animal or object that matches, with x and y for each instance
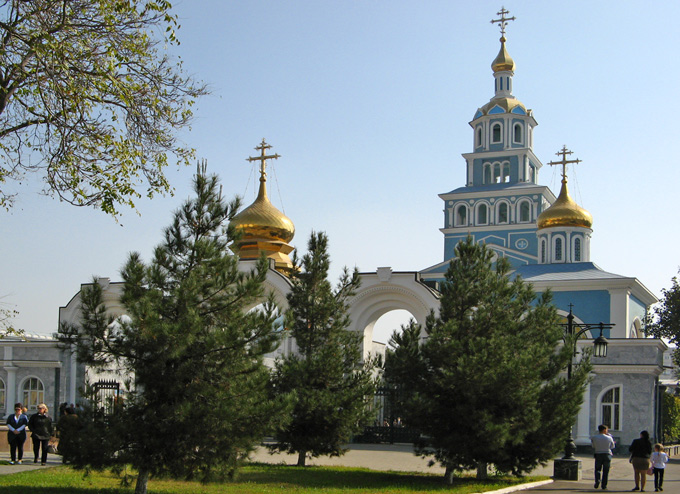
(385, 291)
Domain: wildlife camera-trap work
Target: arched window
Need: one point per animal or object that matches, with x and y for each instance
(517, 134)
(505, 173)
(487, 173)
(482, 214)
(543, 251)
(33, 393)
(577, 249)
(461, 215)
(610, 408)
(497, 173)
(478, 137)
(496, 133)
(2, 393)
(558, 249)
(503, 213)
(524, 212)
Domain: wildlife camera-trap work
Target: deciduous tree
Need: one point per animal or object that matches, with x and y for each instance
(194, 352)
(484, 385)
(89, 99)
(664, 321)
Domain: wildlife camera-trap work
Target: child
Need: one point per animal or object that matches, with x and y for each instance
(659, 460)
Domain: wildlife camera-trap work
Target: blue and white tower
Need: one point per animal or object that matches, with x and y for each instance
(501, 200)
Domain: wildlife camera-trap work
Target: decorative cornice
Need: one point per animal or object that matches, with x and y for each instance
(655, 370)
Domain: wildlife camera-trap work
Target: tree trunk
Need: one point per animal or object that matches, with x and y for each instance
(482, 473)
(302, 456)
(448, 475)
(142, 481)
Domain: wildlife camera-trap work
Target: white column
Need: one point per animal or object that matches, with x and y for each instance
(11, 396)
(583, 429)
(72, 377)
(618, 312)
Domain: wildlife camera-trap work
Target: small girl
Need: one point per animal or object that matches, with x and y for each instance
(659, 460)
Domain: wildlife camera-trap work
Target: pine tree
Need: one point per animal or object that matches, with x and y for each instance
(200, 394)
(332, 386)
(484, 386)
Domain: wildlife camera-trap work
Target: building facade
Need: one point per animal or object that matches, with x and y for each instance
(546, 239)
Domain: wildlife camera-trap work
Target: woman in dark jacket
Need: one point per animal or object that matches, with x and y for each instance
(640, 451)
(16, 434)
(41, 432)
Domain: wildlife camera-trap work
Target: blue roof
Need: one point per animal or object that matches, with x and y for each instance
(564, 272)
(492, 187)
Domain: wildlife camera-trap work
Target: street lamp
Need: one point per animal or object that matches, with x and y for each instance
(572, 332)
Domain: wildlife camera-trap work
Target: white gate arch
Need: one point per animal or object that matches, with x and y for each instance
(384, 291)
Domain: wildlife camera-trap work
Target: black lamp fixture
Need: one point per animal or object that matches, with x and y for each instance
(599, 350)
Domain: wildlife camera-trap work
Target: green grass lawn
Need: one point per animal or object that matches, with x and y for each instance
(255, 479)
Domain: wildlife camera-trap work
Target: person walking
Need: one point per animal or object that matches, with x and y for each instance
(603, 443)
(40, 425)
(16, 434)
(659, 459)
(640, 451)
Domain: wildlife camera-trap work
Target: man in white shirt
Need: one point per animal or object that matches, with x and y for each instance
(603, 443)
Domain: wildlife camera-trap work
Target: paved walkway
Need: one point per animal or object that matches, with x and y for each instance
(400, 457)
(27, 465)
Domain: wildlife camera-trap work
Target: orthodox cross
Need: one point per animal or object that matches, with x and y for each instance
(564, 161)
(503, 21)
(263, 158)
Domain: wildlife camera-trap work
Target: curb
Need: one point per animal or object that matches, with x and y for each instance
(519, 487)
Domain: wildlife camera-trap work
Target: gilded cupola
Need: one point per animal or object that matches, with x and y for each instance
(503, 61)
(263, 228)
(564, 212)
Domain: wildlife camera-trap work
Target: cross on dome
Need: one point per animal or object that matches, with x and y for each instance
(263, 158)
(564, 161)
(503, 21)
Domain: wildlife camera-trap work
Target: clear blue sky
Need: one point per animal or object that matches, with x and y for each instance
(368, 104)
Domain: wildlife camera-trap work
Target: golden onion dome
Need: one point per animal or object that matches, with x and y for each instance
(503, 61)
(261, 220)
(565, 212)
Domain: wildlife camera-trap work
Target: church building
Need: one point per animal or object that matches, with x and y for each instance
(546, 239)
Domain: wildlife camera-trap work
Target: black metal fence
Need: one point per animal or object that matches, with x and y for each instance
(106, 395)
(388, 425)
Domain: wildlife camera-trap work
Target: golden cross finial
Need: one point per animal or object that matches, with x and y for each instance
(263, 158)
(564, 162)
(503, 21)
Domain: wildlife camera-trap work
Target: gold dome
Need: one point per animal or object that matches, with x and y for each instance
(503, 61)
(261, 220)
(565, 212)
(264, 229)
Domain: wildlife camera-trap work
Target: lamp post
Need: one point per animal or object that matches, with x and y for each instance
(568, 467)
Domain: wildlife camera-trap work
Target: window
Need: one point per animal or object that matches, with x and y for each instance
(503, 213)
(517, 134)
(524, 212)
(461, 215)
(611, 408)
(496, 133)
(482, 214)
(558, 249)
(2, 393)
(577, 249)
(33, 393)
(487, 173)
(478, 138)
(543, 251)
